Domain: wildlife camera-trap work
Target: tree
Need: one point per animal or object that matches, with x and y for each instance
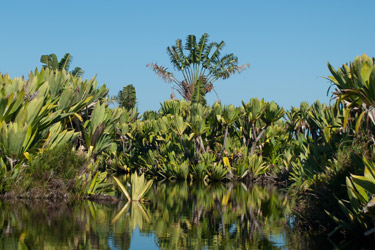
(203, 60)
(127, 97)
(50, 61)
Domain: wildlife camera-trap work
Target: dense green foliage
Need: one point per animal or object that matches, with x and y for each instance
(44, 113)
(312, 148)
(127, 97)
(347, 139)
(60, 161)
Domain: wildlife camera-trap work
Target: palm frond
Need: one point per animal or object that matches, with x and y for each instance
(50, 61)
(242, 67)
(65, 62)
(77, 71)
(227, 66)
(161, 72)
(175, 58)
(44, 59)
(201, 48)
(191, 44)
(180, 51)
(207, 54)
(228, 60)
(216, 54)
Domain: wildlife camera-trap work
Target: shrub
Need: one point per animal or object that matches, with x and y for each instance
(59, 162)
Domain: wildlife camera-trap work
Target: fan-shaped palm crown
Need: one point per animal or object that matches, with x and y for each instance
(203, 60)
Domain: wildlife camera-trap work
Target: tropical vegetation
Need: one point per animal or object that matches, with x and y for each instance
(58, 132)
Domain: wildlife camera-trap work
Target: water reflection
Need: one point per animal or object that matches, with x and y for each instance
(177, 216)
(217, 216)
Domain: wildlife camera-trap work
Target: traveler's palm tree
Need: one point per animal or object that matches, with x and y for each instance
(204, 61)
(50, 61)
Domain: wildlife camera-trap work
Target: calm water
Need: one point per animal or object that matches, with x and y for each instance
(177, 216)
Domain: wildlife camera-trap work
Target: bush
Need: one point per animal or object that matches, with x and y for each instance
(60, 162)
(328, 186)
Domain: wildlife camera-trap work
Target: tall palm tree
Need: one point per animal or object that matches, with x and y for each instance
(204, 61)
(50, 61)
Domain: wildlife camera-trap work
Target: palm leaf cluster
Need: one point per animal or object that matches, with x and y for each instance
(355, 87)
(51, 109)
(202, 60)
(186, 140)
(50, 61)
(359, 209)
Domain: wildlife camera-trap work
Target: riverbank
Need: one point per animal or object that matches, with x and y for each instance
(60, 138)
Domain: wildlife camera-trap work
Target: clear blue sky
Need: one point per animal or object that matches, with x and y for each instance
(287, 43)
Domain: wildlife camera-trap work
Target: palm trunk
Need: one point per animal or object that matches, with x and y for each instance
(196, 149)
(201, 144)
(255, 142)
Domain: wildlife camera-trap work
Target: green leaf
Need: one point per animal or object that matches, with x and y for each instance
(122, 188)
(364, 182)
(358, 122)
(144, 190)
(66, 98)
(369, 170)
(349, 215)
(346, 117)
(227, 163)
(366, 71)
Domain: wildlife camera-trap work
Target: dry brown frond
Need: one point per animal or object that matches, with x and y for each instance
(184, 89)
(173, 96)
(242, 67)
(161, 72)
(185, 85)
(209, 87)
(181, 92)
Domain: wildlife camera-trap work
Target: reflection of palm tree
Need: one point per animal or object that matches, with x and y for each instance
(137, 215)
(98, 230)
(216, 216)
(183, 217)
